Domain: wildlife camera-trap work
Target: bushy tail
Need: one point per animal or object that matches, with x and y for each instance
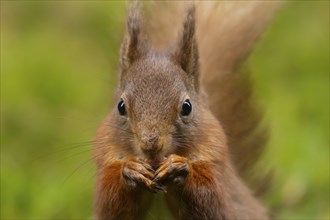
(226, 33)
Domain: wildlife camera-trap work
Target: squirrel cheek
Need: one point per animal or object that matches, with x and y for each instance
(166, 142)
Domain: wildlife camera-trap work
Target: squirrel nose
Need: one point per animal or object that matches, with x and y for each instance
(150, 143)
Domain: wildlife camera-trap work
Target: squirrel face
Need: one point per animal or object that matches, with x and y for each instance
(156, 105)
(158, 91)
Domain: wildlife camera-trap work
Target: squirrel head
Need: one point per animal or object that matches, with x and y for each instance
(158, 94)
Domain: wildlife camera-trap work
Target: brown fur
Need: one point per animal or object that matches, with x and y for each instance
(226, 33)
(153, 148)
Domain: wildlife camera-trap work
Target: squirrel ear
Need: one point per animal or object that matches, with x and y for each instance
(130, 48)
(187, 51)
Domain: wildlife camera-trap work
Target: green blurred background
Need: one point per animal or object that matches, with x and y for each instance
(58, 67)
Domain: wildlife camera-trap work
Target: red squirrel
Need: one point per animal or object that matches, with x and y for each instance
(183, 125)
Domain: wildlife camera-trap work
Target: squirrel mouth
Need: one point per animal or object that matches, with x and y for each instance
(155, 163)
(153, 155)
(155, 159)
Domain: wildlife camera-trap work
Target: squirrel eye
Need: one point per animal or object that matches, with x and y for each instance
(186, 108)
(121, 108)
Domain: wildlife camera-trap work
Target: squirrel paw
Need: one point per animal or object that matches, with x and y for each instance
(137, 172)
(173, 169)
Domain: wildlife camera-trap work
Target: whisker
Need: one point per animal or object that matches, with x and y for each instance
(54, 163)
(118, 127)
(75, 170)
(69, 147)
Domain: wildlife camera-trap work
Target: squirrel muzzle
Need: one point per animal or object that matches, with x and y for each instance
(150, 143)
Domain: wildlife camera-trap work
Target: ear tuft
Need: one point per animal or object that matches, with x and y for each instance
(187, 51)
(130, 50)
